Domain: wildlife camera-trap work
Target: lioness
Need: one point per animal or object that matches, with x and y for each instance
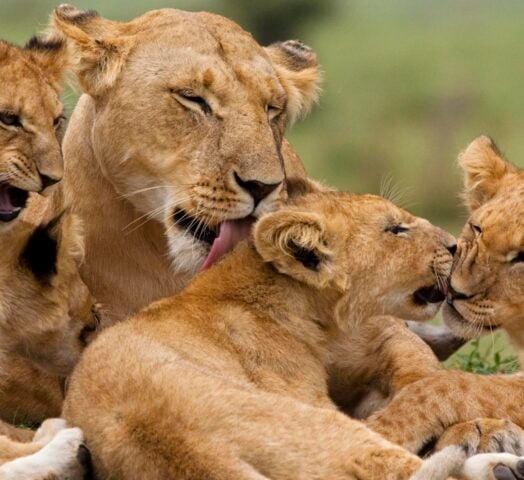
(31, 121)
(486, 291)
(229, 378)
(178, 139)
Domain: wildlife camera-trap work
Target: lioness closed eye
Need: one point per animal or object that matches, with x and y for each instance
(228, 380)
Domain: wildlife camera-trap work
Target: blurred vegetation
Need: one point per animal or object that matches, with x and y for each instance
(486, 356)
(408, 83)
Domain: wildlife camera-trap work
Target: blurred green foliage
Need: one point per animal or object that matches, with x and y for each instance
(408, 83)
(486, 356)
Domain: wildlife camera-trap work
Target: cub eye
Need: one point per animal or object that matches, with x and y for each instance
(10, 119)
(188, 99)
(397, 229)
(476, 228)
(518, 258)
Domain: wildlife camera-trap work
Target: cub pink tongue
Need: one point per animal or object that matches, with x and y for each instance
(231, 232)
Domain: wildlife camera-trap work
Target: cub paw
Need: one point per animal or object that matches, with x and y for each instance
(485, 435)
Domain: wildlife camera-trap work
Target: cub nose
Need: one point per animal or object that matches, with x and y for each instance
(452, 248)
(48, 181)
(258, 190)
(456, 295)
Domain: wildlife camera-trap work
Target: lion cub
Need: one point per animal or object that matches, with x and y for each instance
(486, 292)
(229, 378)
(31, 121)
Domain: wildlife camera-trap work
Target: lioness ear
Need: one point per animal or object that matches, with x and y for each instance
(51, 54)
(296, 65)
(99, 46)
(484, 169)
(296, 244)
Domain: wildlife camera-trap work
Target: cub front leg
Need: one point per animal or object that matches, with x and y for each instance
(422, 411)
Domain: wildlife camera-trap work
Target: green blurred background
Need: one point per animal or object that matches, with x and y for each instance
(408, 83)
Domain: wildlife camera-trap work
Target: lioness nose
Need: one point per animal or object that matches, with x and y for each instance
(258, 190)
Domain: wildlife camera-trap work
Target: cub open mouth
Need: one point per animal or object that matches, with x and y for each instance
(12, 202)
(222, 239)
(431, 294)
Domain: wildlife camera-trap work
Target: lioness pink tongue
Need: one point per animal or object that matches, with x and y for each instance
(231, 232)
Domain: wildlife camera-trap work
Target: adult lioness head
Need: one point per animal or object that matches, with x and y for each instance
(31, 121)
(487, 284)
(190, 117)
(385, 260)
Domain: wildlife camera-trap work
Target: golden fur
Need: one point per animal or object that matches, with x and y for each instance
(229, 378)
(181, 109)
(31, 118)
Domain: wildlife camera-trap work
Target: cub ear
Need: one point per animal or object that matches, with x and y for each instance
(296, 244)
(296, 65)
(61, 238)
(484, 170)
(51, 54)
(99, 45)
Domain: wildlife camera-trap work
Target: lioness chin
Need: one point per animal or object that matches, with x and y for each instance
(229, 378)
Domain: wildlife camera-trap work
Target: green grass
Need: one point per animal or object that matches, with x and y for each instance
(488, 355)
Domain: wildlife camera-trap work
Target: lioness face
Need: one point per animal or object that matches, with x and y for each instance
(190, 117)
(487, 283)
(31, 122)
(383, 259)
(46, 311)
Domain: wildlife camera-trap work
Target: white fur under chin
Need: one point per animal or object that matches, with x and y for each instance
(452, 461)
(58, 457)
(187, 254)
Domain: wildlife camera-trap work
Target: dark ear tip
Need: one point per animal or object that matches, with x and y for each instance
(300, 55)
(72, 14)
(44, 44)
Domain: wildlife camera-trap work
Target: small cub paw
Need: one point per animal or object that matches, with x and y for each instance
(485, 435)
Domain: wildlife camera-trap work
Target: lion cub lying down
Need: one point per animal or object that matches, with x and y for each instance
(228, 380)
